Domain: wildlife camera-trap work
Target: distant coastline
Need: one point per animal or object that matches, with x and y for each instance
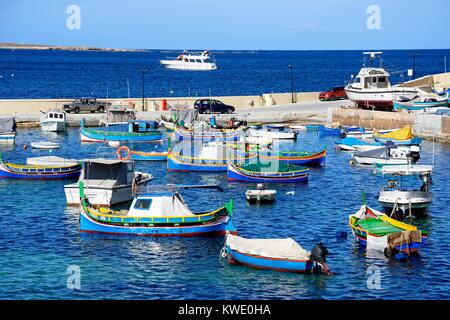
(20, 46)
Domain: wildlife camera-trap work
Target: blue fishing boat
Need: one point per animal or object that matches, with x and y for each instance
(330, 131)
(32, 172)
(208, 134)
(275, 172)
(309, 159)
(284, 255)
(156, 216)
(353, 144)
(313, 127)
(132, 131)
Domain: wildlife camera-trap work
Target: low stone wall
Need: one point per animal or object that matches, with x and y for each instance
(16, 107)
(424, 125)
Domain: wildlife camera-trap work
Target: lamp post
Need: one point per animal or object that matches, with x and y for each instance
(143, 71)
(292, 82)
(414, 54)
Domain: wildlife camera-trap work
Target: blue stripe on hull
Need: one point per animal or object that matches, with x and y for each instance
(259, 262)
(148, 158)
(217, 228)
(72, 175)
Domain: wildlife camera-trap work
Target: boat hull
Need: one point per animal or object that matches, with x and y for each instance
(174, 164)
(216, 228)
(7, 137)
(188, 66)
(314, 159)
(88, 136)
(99, 196)
(417, 106)
(234, 174)
(39, 174)
(183, 135)
(419, 201)
(265, 263)
(148, 156)
(54, 126)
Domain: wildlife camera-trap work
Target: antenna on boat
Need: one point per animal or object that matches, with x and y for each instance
(373, 56)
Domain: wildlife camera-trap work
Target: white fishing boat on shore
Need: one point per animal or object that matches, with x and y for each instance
(54, 121)
(371, 88)
(193, 61)
(107, 182)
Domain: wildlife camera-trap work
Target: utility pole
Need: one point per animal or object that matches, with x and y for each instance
(143, 71)
(414, 54)
(292, 82)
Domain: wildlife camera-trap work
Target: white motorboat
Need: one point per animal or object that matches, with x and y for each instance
(194, 61)
(372, 88)
(398, 199)
(272, 133)
(47, 145)
(107, 182)
(388, 155)
(260, 194)
(54, 121)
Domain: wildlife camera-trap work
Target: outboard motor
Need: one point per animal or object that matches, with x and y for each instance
(414, 153)
(318, 255)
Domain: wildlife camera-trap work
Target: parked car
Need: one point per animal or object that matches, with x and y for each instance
(333, 94)
(212, 106)
(86, 104)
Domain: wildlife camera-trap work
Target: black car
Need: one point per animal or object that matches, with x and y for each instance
(212, 106)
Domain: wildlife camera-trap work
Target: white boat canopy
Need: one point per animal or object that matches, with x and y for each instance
(270, 248)
(406, 170)
(161, 206)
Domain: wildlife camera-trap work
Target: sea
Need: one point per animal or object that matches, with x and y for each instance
(34, 74)
(42, 249)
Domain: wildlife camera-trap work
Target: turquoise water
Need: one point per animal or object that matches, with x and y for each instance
(39, 237)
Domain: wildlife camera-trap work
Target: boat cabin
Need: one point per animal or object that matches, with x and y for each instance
(55, 116)
(120, 114)
(372, 78)
(107, 172)
(160, 206)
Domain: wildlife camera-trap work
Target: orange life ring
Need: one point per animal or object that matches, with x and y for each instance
(119, 153)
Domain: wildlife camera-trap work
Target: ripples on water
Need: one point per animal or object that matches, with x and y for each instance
(39, 237)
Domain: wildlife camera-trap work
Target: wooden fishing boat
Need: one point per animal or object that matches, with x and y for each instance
(25, 171)
(209, 157)
(330, 131)
(284, 255)
(140, 155)
(208, 134)
(267, 172)
(376, 231)
(133, 131)
(295, 157)
(399, 137)
(157, 216)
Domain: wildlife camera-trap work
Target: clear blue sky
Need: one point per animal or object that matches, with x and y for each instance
(229, 24)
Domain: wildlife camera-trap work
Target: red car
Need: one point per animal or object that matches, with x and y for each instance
(333, 94)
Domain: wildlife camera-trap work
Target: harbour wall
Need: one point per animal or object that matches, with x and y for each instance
(427, 126)
(17, 107)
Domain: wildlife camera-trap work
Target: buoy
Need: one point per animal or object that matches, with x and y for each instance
(25, 147)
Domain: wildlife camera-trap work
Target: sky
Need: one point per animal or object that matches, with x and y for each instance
(229, 24)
